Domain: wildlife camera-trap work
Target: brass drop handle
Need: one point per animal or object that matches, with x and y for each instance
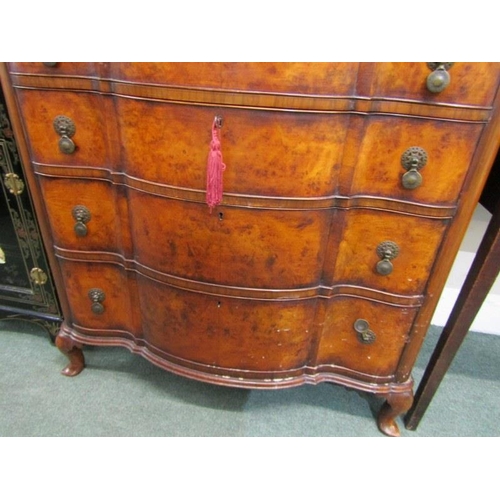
(364, 334)
(387, 250)
(413, 160)
(65, 127)
(96, 295)
(439, 79)
(82, 216)
(50, 64)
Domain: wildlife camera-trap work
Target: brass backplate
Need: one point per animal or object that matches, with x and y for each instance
(38, 276)
(13, 183)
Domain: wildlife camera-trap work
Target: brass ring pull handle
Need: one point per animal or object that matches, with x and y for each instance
(413, 160)
(439, 79)
(96, 295)
(82, 216)
(65, 127)
(387, 250)
(364, 334)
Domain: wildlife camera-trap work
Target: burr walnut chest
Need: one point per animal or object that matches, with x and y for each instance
(257, 225)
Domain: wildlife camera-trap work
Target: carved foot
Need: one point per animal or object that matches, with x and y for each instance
(395, 404)
(73, 352)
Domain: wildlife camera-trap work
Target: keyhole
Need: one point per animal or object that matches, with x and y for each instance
(221, 215)
(219, 303)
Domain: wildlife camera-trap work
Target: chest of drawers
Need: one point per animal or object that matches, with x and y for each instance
(346, 190)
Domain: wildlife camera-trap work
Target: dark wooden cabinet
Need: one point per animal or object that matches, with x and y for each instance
(346, 191)
(26, 287)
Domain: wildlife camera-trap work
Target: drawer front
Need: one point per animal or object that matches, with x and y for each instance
(418, 240)
(93, 136)
(267, 153)
(56, 69)
(378, 168)
(82, 214)
(112, 314)
(377, 353)
(233, 246)
(304, 78)
(226, 332)
(470, 83)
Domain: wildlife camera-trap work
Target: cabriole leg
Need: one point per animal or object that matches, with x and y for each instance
(396, 404)
(73, 352)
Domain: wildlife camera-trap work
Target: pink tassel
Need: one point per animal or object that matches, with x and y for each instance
(215, 167)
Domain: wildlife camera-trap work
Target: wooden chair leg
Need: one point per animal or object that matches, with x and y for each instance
(478, 283)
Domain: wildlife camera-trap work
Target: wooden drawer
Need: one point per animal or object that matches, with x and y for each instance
(94, 131)
(61, 196)
(267, 153)
(233, 246)
(341, 346)
(60, 68)
(377, 168)
(303, 78)
(118, 317)
(418, 239)
(471, 84)
(224, 332)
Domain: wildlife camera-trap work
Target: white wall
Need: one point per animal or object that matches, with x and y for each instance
(488, 318)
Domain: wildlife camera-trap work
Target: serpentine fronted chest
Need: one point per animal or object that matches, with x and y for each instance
(257, 225)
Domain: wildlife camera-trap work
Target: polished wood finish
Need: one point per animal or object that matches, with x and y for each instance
(265, 290)
(481, 277)
(395, 404)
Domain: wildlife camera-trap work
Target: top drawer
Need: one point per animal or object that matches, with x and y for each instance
(471, 84)
(298, 78)
(66, 68)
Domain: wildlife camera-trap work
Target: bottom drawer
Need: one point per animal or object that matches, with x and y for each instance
(227, 332)
(99, 297)
(364, 336)
(241, 338)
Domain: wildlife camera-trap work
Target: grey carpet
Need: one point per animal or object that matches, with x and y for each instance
(121, 394)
